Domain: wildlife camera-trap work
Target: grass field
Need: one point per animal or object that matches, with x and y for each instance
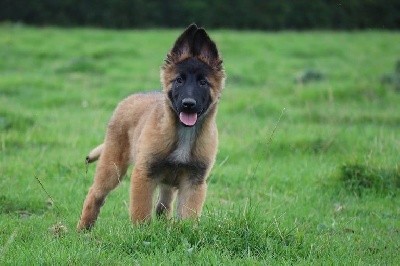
(307, 172)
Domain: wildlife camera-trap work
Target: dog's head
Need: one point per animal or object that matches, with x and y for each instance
(193, 75)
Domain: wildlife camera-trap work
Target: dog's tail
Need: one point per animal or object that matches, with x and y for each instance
(94, 154)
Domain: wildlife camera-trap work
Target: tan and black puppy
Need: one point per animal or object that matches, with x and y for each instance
(170, 136)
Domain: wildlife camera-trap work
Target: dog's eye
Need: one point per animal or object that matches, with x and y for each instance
(179, 80)
(203, 82)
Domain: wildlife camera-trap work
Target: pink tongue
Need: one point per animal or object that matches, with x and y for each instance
(188, 119)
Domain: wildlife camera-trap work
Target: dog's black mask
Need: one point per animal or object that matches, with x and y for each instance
(190, 92)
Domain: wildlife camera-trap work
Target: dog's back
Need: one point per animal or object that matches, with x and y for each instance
(131, 113)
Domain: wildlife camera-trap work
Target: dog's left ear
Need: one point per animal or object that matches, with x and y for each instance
(205, 48)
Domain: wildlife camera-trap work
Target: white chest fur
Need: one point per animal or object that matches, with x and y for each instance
(186, 139)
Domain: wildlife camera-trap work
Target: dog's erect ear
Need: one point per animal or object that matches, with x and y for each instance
(184, 43)
(194, 42)
(183, 46)
(205, 48)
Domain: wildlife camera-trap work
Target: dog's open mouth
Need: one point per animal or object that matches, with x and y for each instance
(188, 119)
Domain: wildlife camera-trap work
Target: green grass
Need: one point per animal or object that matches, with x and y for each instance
(323, 188)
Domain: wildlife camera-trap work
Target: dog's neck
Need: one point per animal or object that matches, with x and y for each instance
(186, 137)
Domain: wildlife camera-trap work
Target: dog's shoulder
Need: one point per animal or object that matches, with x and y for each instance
(142, 98)
(139, 102)
(134, 108)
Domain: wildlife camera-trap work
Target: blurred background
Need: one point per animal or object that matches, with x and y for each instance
(233, 14)
(308, 168)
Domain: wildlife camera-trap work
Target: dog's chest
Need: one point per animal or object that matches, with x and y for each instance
(185, 144)
(181, 162)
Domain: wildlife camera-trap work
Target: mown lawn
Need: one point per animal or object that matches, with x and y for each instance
(308, 164)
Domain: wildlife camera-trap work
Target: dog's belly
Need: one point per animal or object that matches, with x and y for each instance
(172, 172)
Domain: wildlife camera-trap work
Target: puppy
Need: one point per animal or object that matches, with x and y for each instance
(170, 136)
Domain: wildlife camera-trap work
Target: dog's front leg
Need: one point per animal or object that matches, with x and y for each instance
(191, 198)
(142, 189)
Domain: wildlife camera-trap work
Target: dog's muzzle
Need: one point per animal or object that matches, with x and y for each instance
(188, 115)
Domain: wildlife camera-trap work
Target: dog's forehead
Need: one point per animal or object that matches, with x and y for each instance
(193, 66)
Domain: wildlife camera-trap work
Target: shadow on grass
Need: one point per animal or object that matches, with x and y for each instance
(13, 121)
(393, 79)
(349, 119)
(359, 178)
(304, 146)
(80, 64)
(23, 208)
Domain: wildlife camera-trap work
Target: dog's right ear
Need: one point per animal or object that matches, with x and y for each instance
(182, 47)
(184, 43)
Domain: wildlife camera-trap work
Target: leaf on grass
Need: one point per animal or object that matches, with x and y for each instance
(58, 230)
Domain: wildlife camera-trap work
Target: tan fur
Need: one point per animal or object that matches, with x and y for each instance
(142, 129)
(94, 154)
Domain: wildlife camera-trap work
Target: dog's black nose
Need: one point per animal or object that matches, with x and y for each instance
(188, 103)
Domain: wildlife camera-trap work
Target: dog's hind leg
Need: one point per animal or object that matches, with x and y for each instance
(167, 195)
(110, 169)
